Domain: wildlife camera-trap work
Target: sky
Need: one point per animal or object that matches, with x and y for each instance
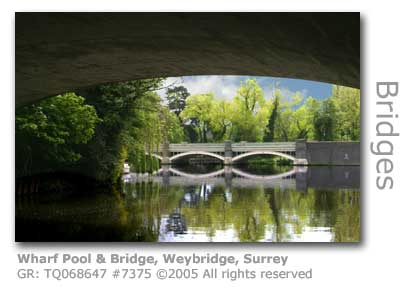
(225, 87)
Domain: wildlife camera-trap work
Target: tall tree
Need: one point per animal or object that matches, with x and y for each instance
(250, 96)
(250, 112)
(129, 112)
(220, 120)
(173, 131)
(324, 121)
(176, 98)
(347, 103)
(291, 119)
(269, 135)
(311, 105)
(199, 108)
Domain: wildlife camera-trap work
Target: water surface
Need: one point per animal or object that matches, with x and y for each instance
(320, 204)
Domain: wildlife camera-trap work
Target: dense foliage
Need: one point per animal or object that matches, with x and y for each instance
(134, 123)
(251, 117)
(120, 121)
(47, 133)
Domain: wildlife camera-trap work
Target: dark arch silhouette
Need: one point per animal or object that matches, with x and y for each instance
(61, 52)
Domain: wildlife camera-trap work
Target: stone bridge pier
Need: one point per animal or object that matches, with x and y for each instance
(165, 154)
(228, 153)
(301, 152)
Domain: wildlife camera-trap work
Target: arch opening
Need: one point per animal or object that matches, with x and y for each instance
(196, 176)
(255, 153)
(248, 175)
(192, 153)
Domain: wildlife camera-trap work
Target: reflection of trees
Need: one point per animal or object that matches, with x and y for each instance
(348, 224)
(211, 214)
(337, 210)
(146, 202)
(248, 213)
(103, 217)
(276, 214)
(252, 213)
(203, 208)
(138, 215)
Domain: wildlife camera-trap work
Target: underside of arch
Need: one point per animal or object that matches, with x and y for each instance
(111, 47)
(197, 176)
(261, 177)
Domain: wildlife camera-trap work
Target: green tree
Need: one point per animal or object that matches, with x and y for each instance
(199, 108)
(173, 130)
(250, 96)
(48, 133)
(220, 120)
(176, 97)
(312, 106)
(131, 123)
(325, 121)
(271, 126)
(250, 113)
(152, 124)
(347, 103)
(291, 119)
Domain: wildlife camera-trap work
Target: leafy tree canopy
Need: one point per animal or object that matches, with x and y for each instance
(51, 129)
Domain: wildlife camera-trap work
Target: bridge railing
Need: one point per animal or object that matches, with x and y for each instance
(272, 146)
(236, 147)
(188, 147)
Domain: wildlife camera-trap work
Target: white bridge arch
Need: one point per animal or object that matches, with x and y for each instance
(195, 176)
(254, 153)
(263, 177)
(233, 170)
(221, 158)
(196, 153)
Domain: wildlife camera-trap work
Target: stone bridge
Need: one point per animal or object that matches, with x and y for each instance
(300, 152)
(227, 152)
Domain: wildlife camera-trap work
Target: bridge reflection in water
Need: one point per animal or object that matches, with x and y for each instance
(299, 177)
(301, 204)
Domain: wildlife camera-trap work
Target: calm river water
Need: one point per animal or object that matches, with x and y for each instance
(315, 204)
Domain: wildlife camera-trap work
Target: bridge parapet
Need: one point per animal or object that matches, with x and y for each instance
(264, 146)
(188, 147)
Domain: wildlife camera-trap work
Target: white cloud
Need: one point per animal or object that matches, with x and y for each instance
(268, 92)
(169, 82)
(223, 87)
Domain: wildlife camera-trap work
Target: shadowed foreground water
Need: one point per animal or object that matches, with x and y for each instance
(321, 204)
